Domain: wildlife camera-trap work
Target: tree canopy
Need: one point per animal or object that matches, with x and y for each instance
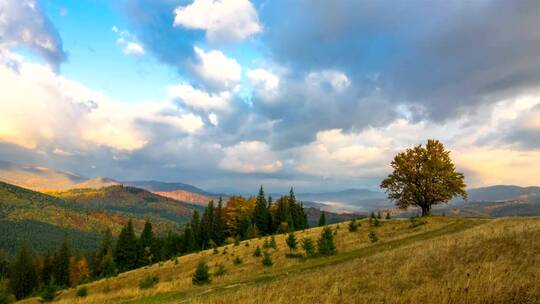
(424, 176)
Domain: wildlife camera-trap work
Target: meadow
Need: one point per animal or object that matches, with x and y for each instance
(435, 260)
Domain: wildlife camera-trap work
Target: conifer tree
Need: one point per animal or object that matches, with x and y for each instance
(267, 260)
(261, 214)
(353, 226)
(104, 265)
(147, 241)
(291, 242)
(322, 219)
(61, 265)
(326, 242)
(188, 240)
(23, 279)
(308, 246)
(201, 275)
(196, 229)
(387, 215)
(273, 242)
(126, 253)
(207, 225)
(219, 226)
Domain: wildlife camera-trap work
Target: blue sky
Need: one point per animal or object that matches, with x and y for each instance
(231, 94)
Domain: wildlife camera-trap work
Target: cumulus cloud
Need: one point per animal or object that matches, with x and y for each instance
(65, 113)
(24, 24)
(333, 79)
(217, 70)
(223, 20)
(264, 82)
(250, 157)
(128, 42)
(199, 99)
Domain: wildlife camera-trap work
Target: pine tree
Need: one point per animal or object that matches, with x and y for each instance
(273, 242)
(201, 275)
(23, 279)
(61, 265)
(267, 260)
(379, 216)
(219, 226)
(188, 240)
(353, 226)
(196, 229)
(257, 252)
(126, 253)
(147, 246)
(243, 227)
(387, 215)
(261, 214)
(207, 225)
(104, 265)
(326, 242)
(308, 246)
(291, 242)
(322, 219)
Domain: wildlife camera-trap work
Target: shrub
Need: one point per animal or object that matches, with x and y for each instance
(308, 246)
(82, 292)
(148, 281)
(267, 260)
(220, 271)
(247, 244)
(379, 216)
(49, 293)
(257, 252)
(237, 261)
(353, 226)
(236, 242)
(291, 242)
(201, 275)
(326, 242)
(266, 244)
(373, 236)
(230, 240)
(387, 215)
(273, 242)
(375, 222)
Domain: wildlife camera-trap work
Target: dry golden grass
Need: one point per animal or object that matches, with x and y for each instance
(497, 262)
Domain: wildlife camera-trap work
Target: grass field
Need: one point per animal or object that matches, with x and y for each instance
(446, 260)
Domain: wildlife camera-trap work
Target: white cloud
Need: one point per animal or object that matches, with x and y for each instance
(128, 42)
(212, 117)
(250, 157)
(264, 82)
(39, 109)
(223, 20)
(336, 79)
(133, 48)
(218, 70)
(198, 99)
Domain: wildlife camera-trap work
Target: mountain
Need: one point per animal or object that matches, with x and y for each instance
(42, 178)
(503, 193)
(178, 191)
(344, 196)
(43, 219)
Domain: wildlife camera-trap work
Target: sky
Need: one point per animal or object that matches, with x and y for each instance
(231, 94)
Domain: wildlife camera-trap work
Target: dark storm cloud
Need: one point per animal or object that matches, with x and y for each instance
(24, 24)
(443, 57)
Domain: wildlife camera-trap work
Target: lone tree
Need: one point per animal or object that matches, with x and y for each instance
(424, 176)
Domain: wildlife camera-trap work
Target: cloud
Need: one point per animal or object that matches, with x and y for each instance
(217, 70)
(223, 20)
(128, 42)
(66, 114)
(250, 157)
(24, 24)
(198, 99)
(332, 79)
(265, 83)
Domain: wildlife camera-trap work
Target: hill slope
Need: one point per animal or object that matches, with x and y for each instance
(475, 260)
(44, 219)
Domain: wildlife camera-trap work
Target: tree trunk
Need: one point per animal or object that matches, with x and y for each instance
(426, 210)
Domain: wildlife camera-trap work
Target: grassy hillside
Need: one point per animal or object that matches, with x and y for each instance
(445, 260)
(43, 220)
(130, 201)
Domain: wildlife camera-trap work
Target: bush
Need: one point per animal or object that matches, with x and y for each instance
(82, 292)
(291, 241)
(236, 242)
(220, 271)
(201, 275)
(257, 252)
(148, 281)
(353, 226)
(49, 293)
(373, 236)
(267, 260)
(387, 215)
(308, 246)
(374, 222)
(237, 261)
(230, 240)
(326, 242)
(273, 242)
